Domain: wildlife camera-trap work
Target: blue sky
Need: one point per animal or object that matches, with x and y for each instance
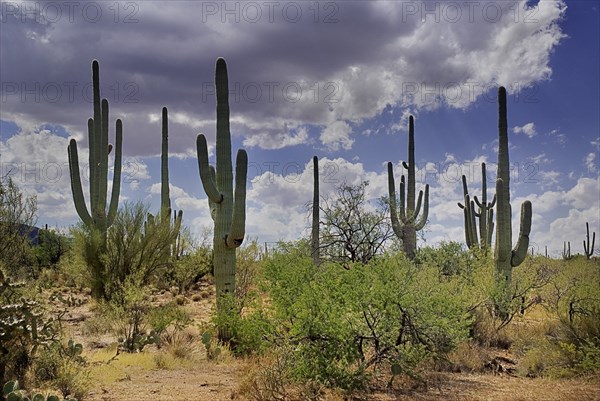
(333, 79)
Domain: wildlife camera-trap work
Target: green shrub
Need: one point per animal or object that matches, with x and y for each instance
(23, 329)
(345, 322)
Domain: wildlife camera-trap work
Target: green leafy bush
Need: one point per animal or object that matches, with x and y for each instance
(346, 322)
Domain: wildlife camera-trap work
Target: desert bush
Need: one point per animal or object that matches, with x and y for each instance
(570, 346)
(166, 321)
(24, 328)
(17, 216)
(51, 246)
(130, 249)
(191, 267)
(182, 345)
(450, 258)
(347, 321)
(62, 366)
(130, 318)
(249, 331)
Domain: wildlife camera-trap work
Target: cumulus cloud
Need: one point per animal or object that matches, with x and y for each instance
(527, 129)
(337, 135)
(333, 75)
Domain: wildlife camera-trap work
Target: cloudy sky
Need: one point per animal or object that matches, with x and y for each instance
(334, 79)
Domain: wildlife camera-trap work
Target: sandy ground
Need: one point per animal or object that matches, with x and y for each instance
(204, 380)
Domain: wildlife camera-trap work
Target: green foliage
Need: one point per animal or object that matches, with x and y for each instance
(17, 216)
(23, 329)
(12, 392)
(63, 367)
(50, 248)
(129, 252)
(343, 323)
(450, 258)
(132, 318)
(167, 320)
(213, 351)
(191, 267)
(352, 230)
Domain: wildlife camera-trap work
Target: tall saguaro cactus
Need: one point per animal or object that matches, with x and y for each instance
(588, 247)
(165, 200)
(97, 217)
(228, 210)
(405, 221)
(483, 240)
(506, 258)
(315, 213)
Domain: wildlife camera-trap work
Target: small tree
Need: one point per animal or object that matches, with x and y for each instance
(17, 216)
(353, 231)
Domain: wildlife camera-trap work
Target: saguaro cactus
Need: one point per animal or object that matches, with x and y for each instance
(99, 148)
(405, 222)
(315, 213)
(506, 258)
(566, 254)
(483, 240)
(227, 210)
(165, 200)
(587, 249)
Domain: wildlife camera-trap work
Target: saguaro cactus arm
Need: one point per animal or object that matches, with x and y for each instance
(420, 224)
(76, 188)
(393, 205)
(116, 187)
(208, 178)
(238, 221)
(520, 250)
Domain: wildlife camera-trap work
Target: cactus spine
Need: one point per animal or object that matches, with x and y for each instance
(483, 240)
(315, 213)
(227, 209)
(587, 249)
(506, 258)
(99, 149)
(404, 221)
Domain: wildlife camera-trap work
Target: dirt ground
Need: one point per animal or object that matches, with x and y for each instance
(137, 378)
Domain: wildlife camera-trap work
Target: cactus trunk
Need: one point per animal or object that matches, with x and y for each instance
(228, 209)
(404, 221)
(97, 218)
(506, 258)
(315, 213)
(588, 247)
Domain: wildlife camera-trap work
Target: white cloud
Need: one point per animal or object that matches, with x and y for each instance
(590, 163)
(337, 135)
(527, 129)
(278, 141)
